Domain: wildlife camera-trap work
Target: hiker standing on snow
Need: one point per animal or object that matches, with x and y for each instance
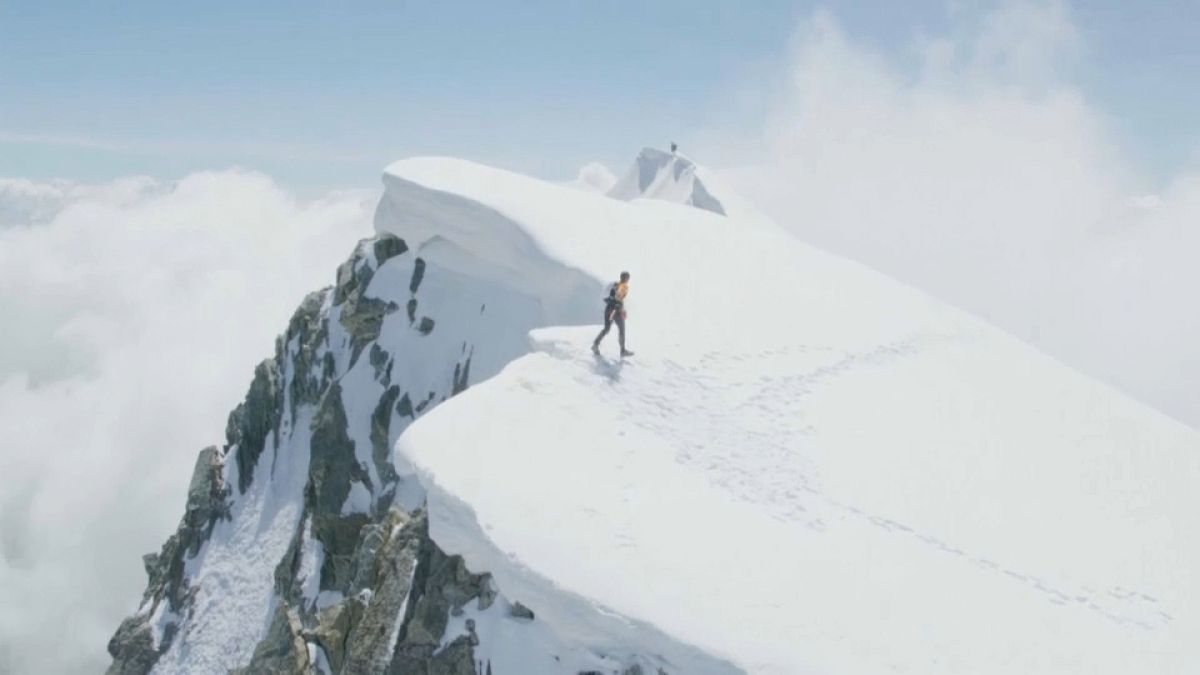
(614, 312)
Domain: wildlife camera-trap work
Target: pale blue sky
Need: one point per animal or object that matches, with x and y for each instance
(324, 94)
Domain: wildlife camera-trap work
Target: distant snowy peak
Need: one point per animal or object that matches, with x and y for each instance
(666, 176)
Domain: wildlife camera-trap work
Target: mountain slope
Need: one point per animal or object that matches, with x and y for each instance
(859, 478)
(807, 468)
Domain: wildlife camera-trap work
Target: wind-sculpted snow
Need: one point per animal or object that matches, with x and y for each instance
(806, 468)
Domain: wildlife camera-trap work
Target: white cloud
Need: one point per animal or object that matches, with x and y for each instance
(27, 202)
(594, 177)
(985, 177)
(133, 315)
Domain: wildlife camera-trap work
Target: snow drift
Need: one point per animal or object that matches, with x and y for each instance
(808, 467)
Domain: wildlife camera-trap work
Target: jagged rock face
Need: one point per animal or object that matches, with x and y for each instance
(253, 420)
(134, 647)
(396, 566)
(385, 590)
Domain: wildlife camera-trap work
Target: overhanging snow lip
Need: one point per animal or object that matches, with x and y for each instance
(421, 213)
(456, 528)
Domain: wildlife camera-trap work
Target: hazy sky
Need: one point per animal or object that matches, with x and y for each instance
(322, 94)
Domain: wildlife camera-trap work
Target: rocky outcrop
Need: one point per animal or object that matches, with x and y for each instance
(283, 651)
(133, 649)
(302, 345)
(402, 593)
(394, 591)
(388, 246)
(333, 470)
(134, 646)
(441, 587)
(381, 427)
(362, 316)
(254, 420)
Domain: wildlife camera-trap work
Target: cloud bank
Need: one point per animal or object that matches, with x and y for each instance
(970, 166)
(134, 313)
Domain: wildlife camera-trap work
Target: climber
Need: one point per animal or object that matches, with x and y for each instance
(614, 312)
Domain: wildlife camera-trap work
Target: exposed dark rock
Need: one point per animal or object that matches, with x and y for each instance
(283, 651)
(150, 563)
(388, 246)
(132, 646)
(462, 376)
(328, 370)
(425, 404)
(363, 320)
(333, 629)
(309, 330)
(132, 649)
(382, 365)
(289, 565)
(381, 422)
(457, 658)
(412, 310)
(487, 592)
(331, 469)
(395, 565)
(417, 275)
(426, 325)
(520, 611)
(405, 407)
(254, 419)
(360, 315)
(441, 585)
(206, 501)
(390, 571)
(353, 276)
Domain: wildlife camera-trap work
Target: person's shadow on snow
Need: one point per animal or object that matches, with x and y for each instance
(608, 368)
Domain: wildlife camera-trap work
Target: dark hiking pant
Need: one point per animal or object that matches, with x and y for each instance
(613, 315)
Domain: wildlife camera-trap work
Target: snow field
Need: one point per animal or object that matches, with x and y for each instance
(807, 468)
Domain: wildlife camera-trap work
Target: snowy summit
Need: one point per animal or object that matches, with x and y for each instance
(807, 468)
(667, 176)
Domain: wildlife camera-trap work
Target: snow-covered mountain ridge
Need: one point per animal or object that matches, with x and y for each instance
(807, 468)
(660, 175)
(672, 177)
